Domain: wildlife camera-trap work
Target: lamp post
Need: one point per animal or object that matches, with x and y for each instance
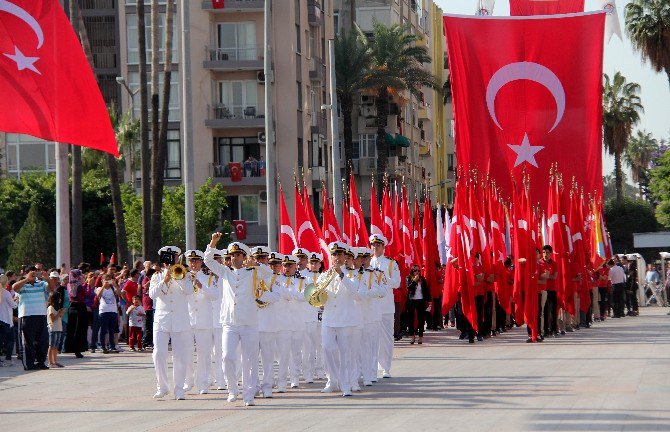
(131, 108)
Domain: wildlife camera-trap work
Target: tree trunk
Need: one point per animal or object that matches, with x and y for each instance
(618, 177)
(347, 106)
(145, 156)
(382, 146)
(112, 168)
(155, 112)
(347, 9)
(76, 235)
(160, 144)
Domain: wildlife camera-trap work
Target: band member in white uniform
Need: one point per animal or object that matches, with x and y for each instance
(339, 319)
(267, 328)
(353, 262)
(303, 260)
(373, 286)
(171, 322)
(392, 275)
(311, 347)
(200, 311)
(290, 324)
(216, 377)
(239, 316)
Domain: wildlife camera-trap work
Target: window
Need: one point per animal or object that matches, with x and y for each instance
(300, 153)
(238, 149)
(26, 153)
(248, 206)
(297, 39)
(450, 162)
(367, 145)
(236, 41)
(336, 23)
(174, 114)
(239, 99)
(299, 85)
(173, 160)
(133, 43)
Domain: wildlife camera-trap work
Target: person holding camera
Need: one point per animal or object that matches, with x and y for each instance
(418, 299)
(33, 319)
(171, 323)
(109, 317)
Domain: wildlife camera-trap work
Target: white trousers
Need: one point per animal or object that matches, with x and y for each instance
(203, 346)
(247, 338)
(386, 342)
(356, 370)
(182, 348)
(319, 368)
(217, 356)
(311, 341)
(370, 350)
(268, 346)
(289, 346)
(337, 353)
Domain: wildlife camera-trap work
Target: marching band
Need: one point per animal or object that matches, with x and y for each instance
(231, 308)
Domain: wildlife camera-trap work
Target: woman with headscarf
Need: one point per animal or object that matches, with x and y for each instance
(77, 314)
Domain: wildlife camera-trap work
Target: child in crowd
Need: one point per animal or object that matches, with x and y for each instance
(109, 318)
(136, 315)
(55, 324)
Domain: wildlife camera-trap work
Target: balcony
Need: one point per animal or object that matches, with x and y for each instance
(253, 174)
(424, 148)
(223, 116)
(235, 6)
(319, 125)
(317, 70)
(248, 57)
(425, 112)
(313, 13)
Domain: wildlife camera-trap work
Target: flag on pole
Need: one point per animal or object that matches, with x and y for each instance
(287, 239)
(317, 229)
(331, 229)
(47, 86)
(218, 4)
(306, 236)
(358, 232)
(417, 234)
(441, 244)
(376, 223)
(408, 251)
(612, 25)
(485, 7)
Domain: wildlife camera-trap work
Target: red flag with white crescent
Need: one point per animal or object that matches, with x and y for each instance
(305, 235)
(545, 7)
(323, 245)
(331, 229)
(376, 223)
(287, 239)
(240, 229)
(529, 100)
(408, 253)
(358, 232)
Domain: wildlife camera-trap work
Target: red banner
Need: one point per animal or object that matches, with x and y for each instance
(545, 7)
(240, 229)
(530, 99)
(218, 4)
(235, 171)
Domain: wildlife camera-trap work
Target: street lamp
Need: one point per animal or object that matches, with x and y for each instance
(122, 81)
(131, 107)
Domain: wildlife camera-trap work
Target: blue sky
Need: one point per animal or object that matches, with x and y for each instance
(619, 56)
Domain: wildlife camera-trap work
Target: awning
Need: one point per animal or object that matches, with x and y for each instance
(402, 141)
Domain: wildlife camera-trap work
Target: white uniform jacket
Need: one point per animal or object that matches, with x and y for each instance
(170, 303)
(393, 278)
(370, 291)
(200, 303)
(289, 308)
(340, 309)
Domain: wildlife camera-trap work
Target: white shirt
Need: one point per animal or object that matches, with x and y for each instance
(170, 303)
(418, 294)
(107, 301)
(392, 277)
(290, 311)
(7, 303)
(267, 316)
(200, 303)
(238, 301)
(54, 324)
(134, 317)
(370, 292)
(340, 309)
(311, 313)
(214, 284)
(617, 275)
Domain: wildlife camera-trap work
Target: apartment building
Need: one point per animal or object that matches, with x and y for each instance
(228, 82)
(21, 154)
(422, 145)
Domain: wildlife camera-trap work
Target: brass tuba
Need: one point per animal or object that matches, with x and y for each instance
(316, 294)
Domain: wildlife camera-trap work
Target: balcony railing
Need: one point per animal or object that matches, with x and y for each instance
(235, 116)
(313, 13)
(317, 70)
(235, 6)
(250, 169)
(248, 57)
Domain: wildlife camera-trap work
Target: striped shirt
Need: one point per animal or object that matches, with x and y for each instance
(32, 299)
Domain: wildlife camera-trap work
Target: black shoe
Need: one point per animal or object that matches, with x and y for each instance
(462, 336)
(562, 332)
(42, 367)
(471, 341)
(529, 340)
(79, 355)
(479, 338)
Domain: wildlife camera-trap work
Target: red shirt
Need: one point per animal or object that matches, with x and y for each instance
(541, 268)
(551, 266)
(147, 303)
(130, 288)
(603, 272)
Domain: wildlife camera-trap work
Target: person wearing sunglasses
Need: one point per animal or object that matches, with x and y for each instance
(417, 301)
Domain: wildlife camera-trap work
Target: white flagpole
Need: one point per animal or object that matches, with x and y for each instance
(187, 125)
(270, 145)
(334, 137)
(62, 204)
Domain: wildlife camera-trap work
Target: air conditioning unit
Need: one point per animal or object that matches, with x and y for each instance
(261, 137)
(260, 77)
(367, 100)
(263, 196)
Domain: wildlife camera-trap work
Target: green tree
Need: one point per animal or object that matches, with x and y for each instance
(660, 188)
(638, 156)
(352, 63)
(625, 218)
(621, 111)
(35, 241)
(397, 66)
(609, 187)
(648, 27)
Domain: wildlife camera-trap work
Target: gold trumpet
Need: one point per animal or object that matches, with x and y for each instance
(258, 293)
(178, 271)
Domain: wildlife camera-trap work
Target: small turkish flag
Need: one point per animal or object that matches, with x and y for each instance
(47, 86)
(545, 7)
(102, 258)
(531, 99)
(217, 4)
(240, 229)
(235, 171)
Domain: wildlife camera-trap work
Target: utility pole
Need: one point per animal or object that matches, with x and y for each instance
(270, 145)
(334, 137)
(62, 204)
(187, 124)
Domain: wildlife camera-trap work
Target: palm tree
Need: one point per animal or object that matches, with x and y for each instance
(396, 67)
(648, 27)
(159, 147)
(638, 156)
(126, 131)
(352, 63)
(145, 156)
(621, 111)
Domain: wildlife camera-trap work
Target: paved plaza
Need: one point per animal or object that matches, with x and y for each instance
(615, 376)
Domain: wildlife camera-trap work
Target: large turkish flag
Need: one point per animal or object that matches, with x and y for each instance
(527, 93)
(47, 87)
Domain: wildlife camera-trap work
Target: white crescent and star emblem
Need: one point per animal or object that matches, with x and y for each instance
(525, 152)
(22, 61)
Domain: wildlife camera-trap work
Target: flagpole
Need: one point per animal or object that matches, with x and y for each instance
(62, 204)
(187, 125)
(334, 137)
(270, 149)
